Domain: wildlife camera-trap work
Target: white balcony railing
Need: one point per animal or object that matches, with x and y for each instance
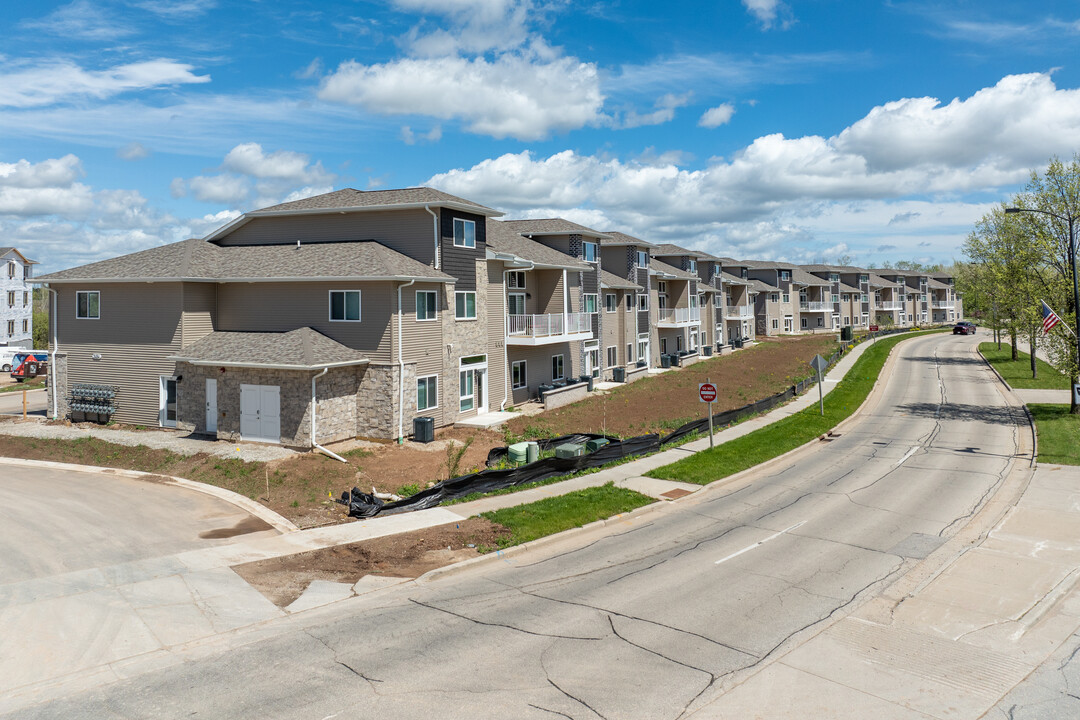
(552, 325)
(890, 305)
(679, 315)
(946, 304)
(738, 311)
(815, 306)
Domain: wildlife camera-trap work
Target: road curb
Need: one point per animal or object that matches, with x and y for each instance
(265, 514)
(1021, 403)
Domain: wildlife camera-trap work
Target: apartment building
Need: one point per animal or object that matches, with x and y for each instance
(16, 299)
(710, 303)
(627, 259)
(739, 298)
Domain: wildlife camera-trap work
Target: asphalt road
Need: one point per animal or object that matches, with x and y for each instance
(652, 620)
(11, 403)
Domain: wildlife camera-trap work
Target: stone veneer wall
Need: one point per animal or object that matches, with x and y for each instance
(464, 338)
(335, 397)
(58, 383)
(377, 400)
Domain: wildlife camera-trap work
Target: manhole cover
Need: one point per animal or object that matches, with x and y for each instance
(675, 494)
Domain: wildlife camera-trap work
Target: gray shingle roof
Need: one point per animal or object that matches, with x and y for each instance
(767, 265)
(801, 277)
(730, 279)
(200, 260)
(302, 349)
(618, 238)
(844, 287)
(834, 268)
(662, 268)
(670, 250)
(553, 226)
(938, 285)
(350, 199)
(878, 281)
(613, 281)
(502, 238)
(762, 286)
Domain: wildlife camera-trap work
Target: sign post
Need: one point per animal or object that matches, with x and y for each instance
(819, 365)
(707, 394)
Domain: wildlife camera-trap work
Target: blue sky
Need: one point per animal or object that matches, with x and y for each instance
(803, 130)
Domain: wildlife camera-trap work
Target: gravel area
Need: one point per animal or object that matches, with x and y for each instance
(177, 441)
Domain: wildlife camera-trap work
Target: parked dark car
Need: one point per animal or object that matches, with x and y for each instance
(964, 328)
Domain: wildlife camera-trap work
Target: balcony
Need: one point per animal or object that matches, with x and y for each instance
(548, 329)
(735, 312)
(678, 317)
(890, 305)
(943, 304)
(815, 306)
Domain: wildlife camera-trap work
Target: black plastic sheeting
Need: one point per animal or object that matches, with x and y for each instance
(362, 505)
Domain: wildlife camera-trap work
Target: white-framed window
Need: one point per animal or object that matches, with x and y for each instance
(820, 321)
(661, 286)
(25, 298)
(10, 327)
(704, 340)
(642, 258)
(775, 323)
(643, 347)
(774, 297)
(786, 297)
(865, 297)
(557, 367)
(87, 305)
(785, 274)
(834, 277)
(590, 303)
(716, 269)
(847, 320)
(611, 303)
(464, 233)
(846, 297)
(694, 301)
(427, 305)
(11, 298)
(835, 297)
(516, 279)
(518, 377)
(465, 305)
(516, 304)
(629, 302)
(802, 323)
(612, 356)
(466, 390)
(26, 326)
(427, 392)
(864, 278)
(692, 340)
(594, 359)
(643, 301)
(167, 402)
(11, 269)
(345, 305)
(629, 353)
(693, 265)
(590, 251)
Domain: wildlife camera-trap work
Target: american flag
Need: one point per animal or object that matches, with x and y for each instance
(1050, 318)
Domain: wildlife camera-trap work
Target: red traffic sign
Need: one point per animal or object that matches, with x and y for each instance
(874, 328)
(707, 392)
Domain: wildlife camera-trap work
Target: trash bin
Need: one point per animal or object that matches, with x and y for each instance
(665, 361)
(641, 363)
(847, 334)
(618, 374)
(708, 350)
(676, 360)
(560, 383)
(589, 380)
(737, 342)
(543, 389)
(423, 429)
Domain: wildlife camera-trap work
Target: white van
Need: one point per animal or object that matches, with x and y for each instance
(6, 356)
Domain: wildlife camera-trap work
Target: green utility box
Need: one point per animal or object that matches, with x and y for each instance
(569, 450)
(595, 444)
(518, 452)
(532, 452)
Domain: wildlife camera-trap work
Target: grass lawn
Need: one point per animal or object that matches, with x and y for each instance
(38, 382)
(791, 432)
(1059, 434)
(552, 515)
(1018, 373)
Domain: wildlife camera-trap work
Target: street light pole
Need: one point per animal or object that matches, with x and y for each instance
(1072, 261)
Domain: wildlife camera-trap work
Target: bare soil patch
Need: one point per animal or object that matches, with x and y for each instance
(664, 402)
(407, 555)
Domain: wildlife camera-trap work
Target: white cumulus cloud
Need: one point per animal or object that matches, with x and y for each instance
(222, 189)
(769, 12)
(717, 116)
(56, 81)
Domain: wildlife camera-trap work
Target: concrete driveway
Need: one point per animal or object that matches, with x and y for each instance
(11, 403)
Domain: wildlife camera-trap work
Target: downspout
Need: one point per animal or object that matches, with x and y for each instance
(52, 353)
(401, 364)
(506, 346)
(435, 227)
(314, 408)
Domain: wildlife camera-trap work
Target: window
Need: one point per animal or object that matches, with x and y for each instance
(11, 269)
(25, 298)
(26, 326)
(629, 302)
(643, 301)
(661, 286)
(629, 353)
(820, 321)
(864, 278)
(427, 392)
(744, 273)
(611, 303)
(465, 305)
(775, 324)
(846, 297)
(835, 298)
(774, 297)
(785, 274)
(787, 297)
(612, 356)
(516, 304)
(516, 279)
(11, 298)
(704, 340)
(865, 297)
(715, 269)
(87, 305)
(593, 359)
(590, 303)
(642, 258)
(517, 374)
(426, 305)
(464, 233)
(10, 327)
(466, 391)
(833, 277)
(802, 322)
(693, 266)
(643, 348)
(846, 320)
(588, 249)
(557, 367)
(345, 305)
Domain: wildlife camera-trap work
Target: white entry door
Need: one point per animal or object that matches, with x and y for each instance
(211, 405)
(260, 413)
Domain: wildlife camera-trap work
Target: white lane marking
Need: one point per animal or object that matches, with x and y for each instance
(748, 548)
(910, 452)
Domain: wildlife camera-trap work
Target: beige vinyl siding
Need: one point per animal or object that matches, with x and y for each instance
(614, 329)
(280, 307)
(422, 343)
(410, 232)
(138, 329)
(546, 291)
(496, 337)
(199, 300)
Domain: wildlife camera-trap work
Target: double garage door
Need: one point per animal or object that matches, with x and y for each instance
(260, 413)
